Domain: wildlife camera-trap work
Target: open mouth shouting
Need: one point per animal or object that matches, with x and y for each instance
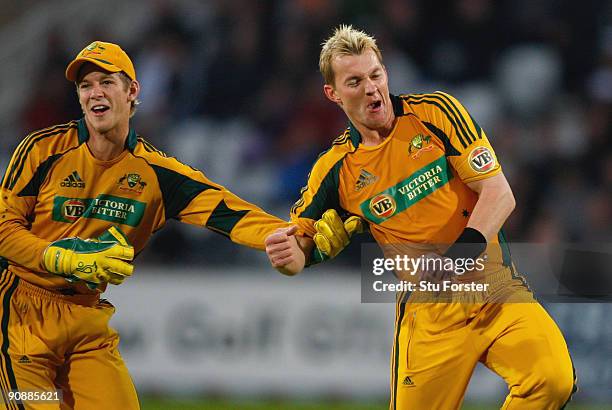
(375, 106)
(99, 109)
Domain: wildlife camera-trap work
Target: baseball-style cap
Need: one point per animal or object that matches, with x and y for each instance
(108, 56)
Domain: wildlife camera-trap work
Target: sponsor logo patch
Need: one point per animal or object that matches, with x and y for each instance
(104, 207)
(406, 193)
(383, 206)
(481, 160)
(72, 209)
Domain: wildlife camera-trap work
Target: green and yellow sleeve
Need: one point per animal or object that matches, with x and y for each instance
(321, 191)
(190, 197)
(26, 170)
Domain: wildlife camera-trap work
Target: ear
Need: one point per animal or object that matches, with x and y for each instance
(134, 90)
(331, 94)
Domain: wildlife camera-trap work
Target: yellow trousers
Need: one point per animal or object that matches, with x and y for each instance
(437, 346)
(58, 343)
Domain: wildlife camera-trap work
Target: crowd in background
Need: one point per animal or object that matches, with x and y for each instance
(232, 88)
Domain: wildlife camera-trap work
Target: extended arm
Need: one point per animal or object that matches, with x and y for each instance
(289, 253)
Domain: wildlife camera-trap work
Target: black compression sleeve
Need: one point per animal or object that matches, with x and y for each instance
(470, 244)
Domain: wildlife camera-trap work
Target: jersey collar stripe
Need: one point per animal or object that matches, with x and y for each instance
(130, 141)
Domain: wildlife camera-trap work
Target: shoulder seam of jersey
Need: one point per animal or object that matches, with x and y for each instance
(449, 109)
(449, 149)
(449, 98)
(172, 212)
(26, 147)
(341, 146)
(151, 149)
(335, 163)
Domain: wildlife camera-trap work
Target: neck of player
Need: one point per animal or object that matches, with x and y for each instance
(108, 145)
(375, 136)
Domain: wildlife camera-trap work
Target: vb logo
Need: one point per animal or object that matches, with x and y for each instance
(73, 209)
(383, 205)
(482, 160)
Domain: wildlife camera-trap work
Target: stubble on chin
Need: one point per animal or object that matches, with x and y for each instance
(100, 127)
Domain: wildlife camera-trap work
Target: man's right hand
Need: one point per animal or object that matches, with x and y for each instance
(94, 261)
(284, 251)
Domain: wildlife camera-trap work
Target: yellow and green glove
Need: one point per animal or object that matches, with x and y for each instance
(333, 235)
(95, 261)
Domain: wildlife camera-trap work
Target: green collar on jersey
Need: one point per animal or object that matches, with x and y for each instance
(398, 110)
(130, 142)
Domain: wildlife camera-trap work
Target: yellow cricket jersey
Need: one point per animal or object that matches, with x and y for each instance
(411, 188)
(55, 188)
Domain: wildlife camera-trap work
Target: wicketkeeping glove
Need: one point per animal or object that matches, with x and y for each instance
(333, 235)
(104, 259)
(111, 234)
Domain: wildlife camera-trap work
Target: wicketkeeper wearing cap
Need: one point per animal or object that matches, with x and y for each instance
(78, 201)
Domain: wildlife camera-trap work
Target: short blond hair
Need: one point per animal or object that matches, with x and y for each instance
(345, 41)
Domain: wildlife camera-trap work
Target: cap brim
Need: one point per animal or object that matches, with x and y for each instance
(73, 68)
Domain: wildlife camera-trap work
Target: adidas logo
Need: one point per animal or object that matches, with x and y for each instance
(408, 381)
(24, 360)
(365, 179)
(73, 181)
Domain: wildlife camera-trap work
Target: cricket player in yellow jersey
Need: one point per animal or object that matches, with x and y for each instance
(78, 201)
(421, 172)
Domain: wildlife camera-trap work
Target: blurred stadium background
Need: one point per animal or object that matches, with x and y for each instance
(231, 87)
